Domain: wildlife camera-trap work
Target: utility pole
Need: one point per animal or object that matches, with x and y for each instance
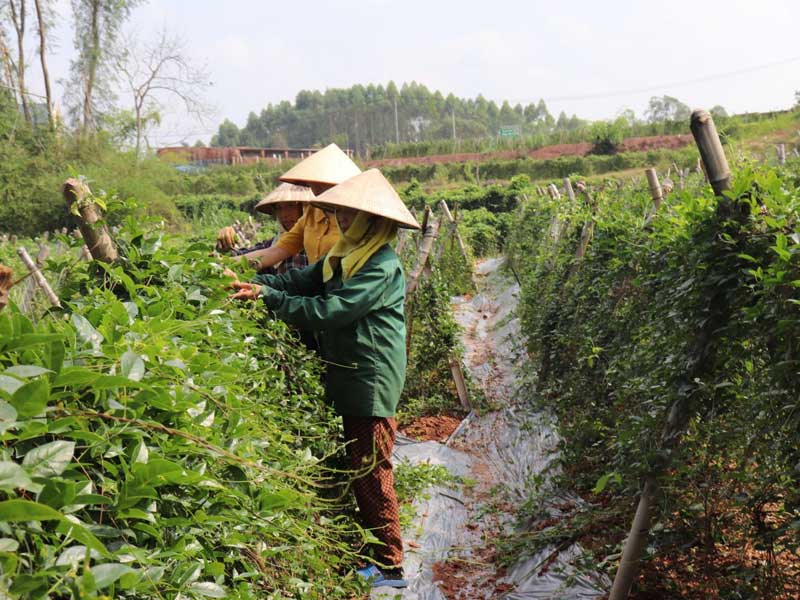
(396, 123)
(453, 114)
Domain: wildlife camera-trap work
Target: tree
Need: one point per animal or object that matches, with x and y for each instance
(43, 12)
(718, 111)
(7, 77)
(97, 24)
(797, 99)
(157, 71)
(667, 108)
(19, 13)
(629, 116)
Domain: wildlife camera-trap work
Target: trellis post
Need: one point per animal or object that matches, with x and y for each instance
(429, 233)
(719, 176)
(568, 188)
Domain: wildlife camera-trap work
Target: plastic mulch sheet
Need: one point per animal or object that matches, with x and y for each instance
(506, 449)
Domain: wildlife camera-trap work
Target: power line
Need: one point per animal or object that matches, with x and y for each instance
(656, 88)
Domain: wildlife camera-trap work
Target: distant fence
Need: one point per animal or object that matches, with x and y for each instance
(237, 155)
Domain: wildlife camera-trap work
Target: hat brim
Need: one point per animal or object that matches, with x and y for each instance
(372, 193)
(285, 193)
(329, 166)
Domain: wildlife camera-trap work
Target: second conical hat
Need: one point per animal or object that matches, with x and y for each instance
(370, 192)
(285, 192)
(330, 165)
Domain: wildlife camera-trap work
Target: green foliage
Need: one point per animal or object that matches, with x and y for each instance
(363, 117)
(606, 136)
(433, 340)
(615, 336)
(555, 168)
(160, 441)
(411, 481)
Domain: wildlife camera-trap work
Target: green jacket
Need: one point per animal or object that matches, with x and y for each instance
(361, 324)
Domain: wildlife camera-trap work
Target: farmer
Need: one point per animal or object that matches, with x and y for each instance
(285, 203)
(314, 232)
(355, 298)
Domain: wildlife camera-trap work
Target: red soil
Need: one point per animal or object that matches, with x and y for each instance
(433, 428)
(642, 144)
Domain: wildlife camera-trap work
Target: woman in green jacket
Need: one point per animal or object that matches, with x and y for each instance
(354, 297)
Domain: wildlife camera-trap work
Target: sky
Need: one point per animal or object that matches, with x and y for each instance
(593, 59)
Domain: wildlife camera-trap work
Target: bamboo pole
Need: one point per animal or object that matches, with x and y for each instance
(714, 161)
(656, 192)
(426, 244)
(97, 238)
(588, 226)
(568, 188)
(781, 150)
(719, 175)
(30, 287)
(424, 227)
(37, 275)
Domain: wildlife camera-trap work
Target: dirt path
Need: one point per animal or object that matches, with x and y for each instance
(639, 144)
(451, 552)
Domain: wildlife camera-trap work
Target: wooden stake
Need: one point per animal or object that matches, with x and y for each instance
(97, 238)
(554, 193)
(37, 275)
(461, 384)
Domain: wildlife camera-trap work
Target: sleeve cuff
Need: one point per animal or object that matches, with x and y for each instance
(270, 296)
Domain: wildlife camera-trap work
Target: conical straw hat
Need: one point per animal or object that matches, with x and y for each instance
(330, 165)
(285, 192)
(371, 192)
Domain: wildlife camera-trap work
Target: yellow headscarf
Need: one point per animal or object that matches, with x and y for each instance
(365, 236)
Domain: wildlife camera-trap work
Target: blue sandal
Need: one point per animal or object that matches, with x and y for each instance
(375, 577)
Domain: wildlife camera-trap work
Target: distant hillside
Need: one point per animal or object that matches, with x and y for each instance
(365, 117)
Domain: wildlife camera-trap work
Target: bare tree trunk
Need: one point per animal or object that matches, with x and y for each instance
(8, 64)
(97, 238)
(93, 59)
(18, 18)
(43, 58)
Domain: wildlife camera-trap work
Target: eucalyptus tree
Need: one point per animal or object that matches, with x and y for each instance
(18, 11)
(44, 12)
(97, 27)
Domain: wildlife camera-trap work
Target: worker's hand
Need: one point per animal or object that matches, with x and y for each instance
(245, 291)
(226, 239)
(228, 273)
